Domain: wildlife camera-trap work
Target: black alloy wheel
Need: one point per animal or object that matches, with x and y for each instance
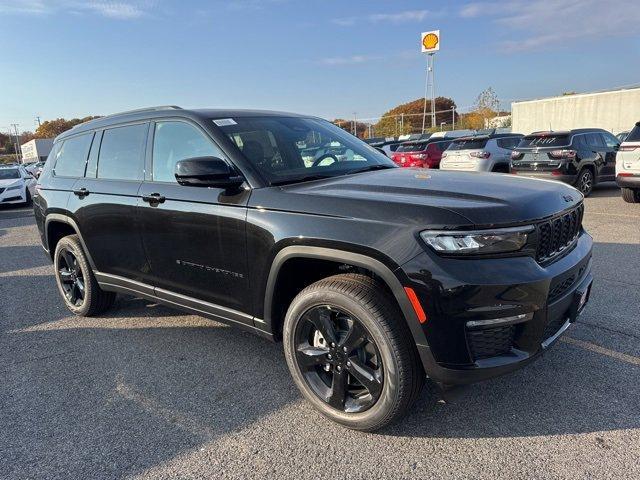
(585, 182)
(71, 278)
(339, 359)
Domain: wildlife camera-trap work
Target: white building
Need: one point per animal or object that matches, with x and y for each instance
(613, 110)
(36, 150)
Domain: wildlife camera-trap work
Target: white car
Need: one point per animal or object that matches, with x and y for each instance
(16, 185)
(481, 153)
(628, 166)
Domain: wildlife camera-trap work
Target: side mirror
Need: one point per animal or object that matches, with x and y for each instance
(206, 172)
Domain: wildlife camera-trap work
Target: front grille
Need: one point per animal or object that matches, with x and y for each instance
(558, 233)
(552, 327)
(490, 342)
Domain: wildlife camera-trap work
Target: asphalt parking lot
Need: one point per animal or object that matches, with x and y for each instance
(147, 392)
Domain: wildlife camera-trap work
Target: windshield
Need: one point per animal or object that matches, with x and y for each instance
(9, 173)
(412, 147)
(543, 141)
(291, 149)
(469, 144)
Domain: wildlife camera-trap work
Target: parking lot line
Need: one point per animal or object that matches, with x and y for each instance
(592, 347)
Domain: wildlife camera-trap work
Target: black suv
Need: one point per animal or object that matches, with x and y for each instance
(372, 275)
(581, 157)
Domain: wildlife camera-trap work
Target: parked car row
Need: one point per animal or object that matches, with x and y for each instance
(581, 157)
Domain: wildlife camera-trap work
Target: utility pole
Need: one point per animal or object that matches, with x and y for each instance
(453, 118)
(355, 124)
(38, 121)
(16, 141)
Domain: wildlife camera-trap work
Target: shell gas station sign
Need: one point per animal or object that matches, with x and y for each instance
(430, 41)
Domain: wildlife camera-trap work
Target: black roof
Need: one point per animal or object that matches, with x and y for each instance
(174, 111)
(485, 136)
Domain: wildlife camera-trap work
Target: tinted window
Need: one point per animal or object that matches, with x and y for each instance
(9, 173)
(543, 141)
(594, 140)
(122, 153)
(411, 147)
(634, 135)
(610, 140)
(174, 141)
(509, 143)
(71, 157)
(469, 144)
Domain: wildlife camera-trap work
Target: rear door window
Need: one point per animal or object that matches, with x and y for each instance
(71, 157)
(594, 140)
(122, 152)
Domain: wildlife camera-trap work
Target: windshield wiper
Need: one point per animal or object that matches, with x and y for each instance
(305, 178)
(371, 168)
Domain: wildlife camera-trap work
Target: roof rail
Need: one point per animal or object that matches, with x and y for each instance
(137, 110)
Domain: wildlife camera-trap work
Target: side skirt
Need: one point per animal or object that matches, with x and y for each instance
(114, 283)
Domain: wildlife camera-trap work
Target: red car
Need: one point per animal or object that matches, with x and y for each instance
(425, 153)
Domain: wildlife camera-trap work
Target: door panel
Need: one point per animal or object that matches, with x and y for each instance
(195, 242)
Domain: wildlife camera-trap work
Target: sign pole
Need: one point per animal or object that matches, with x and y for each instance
(433, 90)
(430, 43)
(426, 92)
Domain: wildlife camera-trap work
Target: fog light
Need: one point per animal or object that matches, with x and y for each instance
(492, 322)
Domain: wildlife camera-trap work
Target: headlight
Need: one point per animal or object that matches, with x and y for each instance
(14, 187)
(479, 242)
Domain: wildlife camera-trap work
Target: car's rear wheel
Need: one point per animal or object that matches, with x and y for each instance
(585, 181)
(350, 352)
(631, 195)
(27, 197)
(76, 282)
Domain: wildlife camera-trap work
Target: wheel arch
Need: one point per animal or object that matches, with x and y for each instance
(385, 274)
(57, 226)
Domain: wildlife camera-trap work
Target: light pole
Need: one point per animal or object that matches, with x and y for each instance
(441, 124)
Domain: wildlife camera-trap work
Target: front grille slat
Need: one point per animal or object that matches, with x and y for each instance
(556, 234)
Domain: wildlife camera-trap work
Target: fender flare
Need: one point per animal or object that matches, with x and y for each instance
(356, 259)
(62, 218)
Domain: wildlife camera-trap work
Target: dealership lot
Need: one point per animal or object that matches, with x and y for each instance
(147, 392)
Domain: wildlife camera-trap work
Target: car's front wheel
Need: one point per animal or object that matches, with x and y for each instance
(631, 195)
(350, 352)
(76, 282)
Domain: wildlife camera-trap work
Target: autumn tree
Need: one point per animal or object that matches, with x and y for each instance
(486, 106)
(407, 117)
(53, 128)
(362, 129)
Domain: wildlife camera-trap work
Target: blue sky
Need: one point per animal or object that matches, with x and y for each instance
(329, 58)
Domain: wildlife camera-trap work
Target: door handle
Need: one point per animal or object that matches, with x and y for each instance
(81, 192)
(153, 198)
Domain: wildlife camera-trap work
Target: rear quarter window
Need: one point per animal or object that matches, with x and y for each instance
(71, 156)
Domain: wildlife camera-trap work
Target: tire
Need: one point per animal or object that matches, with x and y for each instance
(585, 181)
(71, 267)
(399, 377)
(631, 195)
(28, 199)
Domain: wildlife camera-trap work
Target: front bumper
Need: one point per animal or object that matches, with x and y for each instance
(456, 291)
(12, 196)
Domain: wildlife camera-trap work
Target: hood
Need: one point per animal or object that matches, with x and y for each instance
(10, 182)
(428, 197)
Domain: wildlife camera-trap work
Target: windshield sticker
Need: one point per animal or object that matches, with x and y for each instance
(224, 122)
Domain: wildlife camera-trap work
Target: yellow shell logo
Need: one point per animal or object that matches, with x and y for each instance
(430, 41)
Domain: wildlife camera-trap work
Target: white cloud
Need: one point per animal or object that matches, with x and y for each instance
(550, 23)
(120, 10)
(398, 17)
(360, 59)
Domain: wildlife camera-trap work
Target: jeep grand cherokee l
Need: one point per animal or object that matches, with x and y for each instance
(372, 275)
(581, 157)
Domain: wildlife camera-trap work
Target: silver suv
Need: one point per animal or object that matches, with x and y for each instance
(481, 153)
